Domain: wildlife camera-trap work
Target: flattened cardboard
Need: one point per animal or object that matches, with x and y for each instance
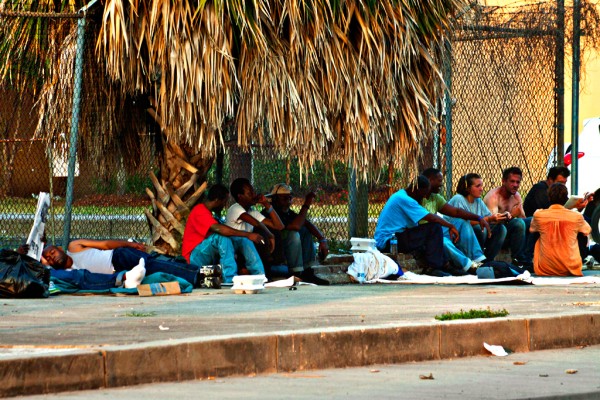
(159, 289)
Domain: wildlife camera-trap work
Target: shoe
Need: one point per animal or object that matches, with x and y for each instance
(52, 289)
(449, 268)
(473, 268)
(590, 261)
(308, 275)
(211, 270)
(526, 265)
(211, 282)
(435, 272)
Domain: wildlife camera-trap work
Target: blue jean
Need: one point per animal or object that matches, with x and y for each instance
(428, 237)
(530, 239)
(467, 249)
(246, 248)
(297, 247)
(516, 230)
(491, 246)
(125, 258)
(86, 280)
(221, 249)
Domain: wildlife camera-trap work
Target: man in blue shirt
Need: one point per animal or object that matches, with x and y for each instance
(466, 254)
(400, 217)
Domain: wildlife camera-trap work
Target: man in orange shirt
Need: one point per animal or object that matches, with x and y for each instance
(563, 236)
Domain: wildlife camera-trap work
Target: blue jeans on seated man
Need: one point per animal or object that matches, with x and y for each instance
(510, 235)
(491, 246)
(516, 238)
(297, 247)
(221, 249)
(428, 237)
(125, 258)
(467, 249)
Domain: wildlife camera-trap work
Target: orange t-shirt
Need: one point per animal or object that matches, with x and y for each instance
(556, 252)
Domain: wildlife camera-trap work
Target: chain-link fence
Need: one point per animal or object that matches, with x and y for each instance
(502, 86)
(108, 197)
(503, 95)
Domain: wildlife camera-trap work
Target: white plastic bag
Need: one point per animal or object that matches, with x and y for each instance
(371, 265)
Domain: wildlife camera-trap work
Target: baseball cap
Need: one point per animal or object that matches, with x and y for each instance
(280, 188)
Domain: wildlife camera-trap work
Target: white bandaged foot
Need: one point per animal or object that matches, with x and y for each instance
(134, 277)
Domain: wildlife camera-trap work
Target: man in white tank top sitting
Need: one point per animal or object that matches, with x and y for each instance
(110, 256)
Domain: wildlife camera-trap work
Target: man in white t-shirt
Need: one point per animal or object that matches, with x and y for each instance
(243, 216)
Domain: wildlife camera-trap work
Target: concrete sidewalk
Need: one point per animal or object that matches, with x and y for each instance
(85, 342)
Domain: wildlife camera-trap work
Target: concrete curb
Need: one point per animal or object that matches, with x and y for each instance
(204, 358)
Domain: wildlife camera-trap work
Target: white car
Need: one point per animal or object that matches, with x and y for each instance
(588, 165)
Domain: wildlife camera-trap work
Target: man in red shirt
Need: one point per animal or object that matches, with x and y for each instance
(207, 241)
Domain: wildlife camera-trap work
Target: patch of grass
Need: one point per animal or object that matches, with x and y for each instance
(137, 314)
(488, 313)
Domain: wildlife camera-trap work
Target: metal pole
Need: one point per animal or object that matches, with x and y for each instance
(448, 107)
(74, 129)
(559, 65)
(575, 97)
(358, 205)
(436, 137)
(352, 203)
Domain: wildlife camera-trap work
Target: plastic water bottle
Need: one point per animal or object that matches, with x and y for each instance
(394, 245)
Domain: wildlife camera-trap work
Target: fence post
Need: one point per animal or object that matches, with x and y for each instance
(575, 97)
(448, 120)
(358, 206)
(74, 129)
(559, 65)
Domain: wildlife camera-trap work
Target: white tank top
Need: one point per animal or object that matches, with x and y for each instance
(94, 260)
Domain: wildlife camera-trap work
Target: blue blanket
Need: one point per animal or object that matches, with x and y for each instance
(62, 287)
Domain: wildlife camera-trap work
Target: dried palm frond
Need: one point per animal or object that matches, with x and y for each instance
(346, 80)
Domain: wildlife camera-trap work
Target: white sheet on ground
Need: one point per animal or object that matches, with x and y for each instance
(412, 278)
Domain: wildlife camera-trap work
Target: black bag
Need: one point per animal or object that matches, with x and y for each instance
(22, 276)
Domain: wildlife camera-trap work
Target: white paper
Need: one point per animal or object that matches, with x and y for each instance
(572, 202)
(495, 350)
(289, 282)
(37, 230)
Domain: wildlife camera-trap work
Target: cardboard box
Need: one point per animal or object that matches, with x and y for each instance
(159, 289)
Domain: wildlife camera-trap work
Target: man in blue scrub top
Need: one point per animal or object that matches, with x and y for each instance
(400, 217)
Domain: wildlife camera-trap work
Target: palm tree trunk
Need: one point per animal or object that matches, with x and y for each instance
(181, 183)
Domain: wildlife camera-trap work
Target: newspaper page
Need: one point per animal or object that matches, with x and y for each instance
(37, 230)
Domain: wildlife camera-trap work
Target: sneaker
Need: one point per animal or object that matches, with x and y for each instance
(473, 268)
(526, 265)
(211, 270)
(52, 289)
(211, 282)
(308, 275)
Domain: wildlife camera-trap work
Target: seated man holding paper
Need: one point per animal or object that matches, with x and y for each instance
(563, 236)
